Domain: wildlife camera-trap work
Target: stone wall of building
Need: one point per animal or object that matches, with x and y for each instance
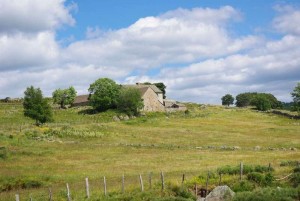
(151, 102)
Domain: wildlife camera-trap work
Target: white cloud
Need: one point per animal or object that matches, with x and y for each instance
(210, 60)
(33, 15)
(178, 36)
(288, 21)
(27, 33)
(27, 50)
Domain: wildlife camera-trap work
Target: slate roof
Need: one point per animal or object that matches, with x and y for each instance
(143, 87)
(81, 99)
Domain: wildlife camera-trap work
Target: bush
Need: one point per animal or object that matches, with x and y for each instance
(295, 178)
(289, 163)
(243, 186)
(246, 169)
(269, 194)
(256, 177)
(182, 192)
(17, 183)
(130, 101)
(3, 153)
(261, 179)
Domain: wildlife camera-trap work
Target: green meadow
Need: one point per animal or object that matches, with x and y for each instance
(79, 144)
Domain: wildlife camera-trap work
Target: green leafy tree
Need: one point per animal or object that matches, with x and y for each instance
(227, 100)
(261, 103)
(64, 97)
(244, 99)
(36, 107)
(162, 87)
(296, 97)
(130, 101)
(249, 98)
(104, 94)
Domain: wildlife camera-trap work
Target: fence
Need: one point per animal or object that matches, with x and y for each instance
(101, 187)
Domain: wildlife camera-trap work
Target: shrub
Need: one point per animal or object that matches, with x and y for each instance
(182, 192)
(295, 178)
(256, 177)
(261, 179)
(3, 153)
(268, 194)
(130, 101)
(16, 183)
(243, 186)
(233, 170)
(289, 163)
(262, 169)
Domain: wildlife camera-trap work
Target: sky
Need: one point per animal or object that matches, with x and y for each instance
(200, 49)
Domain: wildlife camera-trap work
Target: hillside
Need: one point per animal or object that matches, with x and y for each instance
(78, 144)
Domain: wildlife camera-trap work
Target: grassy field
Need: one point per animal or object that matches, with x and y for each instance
(77, 144)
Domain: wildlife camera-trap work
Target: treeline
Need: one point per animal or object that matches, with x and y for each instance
(263, 101)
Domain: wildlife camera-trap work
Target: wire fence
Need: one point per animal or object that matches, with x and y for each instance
(102, 186)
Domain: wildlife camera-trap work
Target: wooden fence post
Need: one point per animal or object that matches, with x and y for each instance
(123, 183)
(104, 181)
(141, 182)
(162, 180)
(68, 192)
(30, 198)
(183, 178)
(17, 197)
(196, 190)
(150, 180)
(269, 168)
(241, 170)
(50, 194)
(206, 185)
(87, 187)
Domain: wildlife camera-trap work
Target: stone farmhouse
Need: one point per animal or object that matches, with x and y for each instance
(152, 98)
(82, 100)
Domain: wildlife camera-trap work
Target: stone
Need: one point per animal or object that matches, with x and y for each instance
(236, 148)
(126, 117)
(115, 118)
(257, 148)
(220, 193)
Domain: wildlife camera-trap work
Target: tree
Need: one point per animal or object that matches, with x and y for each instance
(36, 107)
(261, 102)
(227, 100)
(296, 97)
(249, 98)
(130, 101)
(104, 94)
(244, 99)
(64, 97)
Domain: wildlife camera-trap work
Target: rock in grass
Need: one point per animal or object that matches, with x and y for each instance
(115, 118)
(220, 193)
(257, 148)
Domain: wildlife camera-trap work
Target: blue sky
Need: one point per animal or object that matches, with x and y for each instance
(201, 49)
(116, 14)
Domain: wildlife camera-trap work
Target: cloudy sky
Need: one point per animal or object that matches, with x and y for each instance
(201, 49)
